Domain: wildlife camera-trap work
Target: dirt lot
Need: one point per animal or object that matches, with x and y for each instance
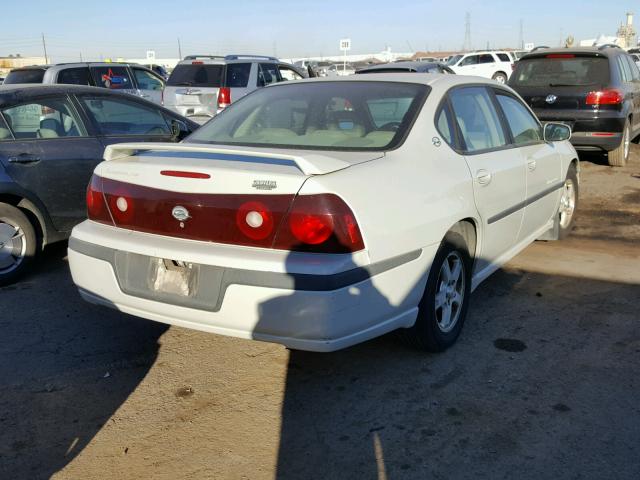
(542, 384)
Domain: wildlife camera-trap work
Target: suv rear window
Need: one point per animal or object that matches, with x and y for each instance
(561, 70)
(32, 75)
(196, 75)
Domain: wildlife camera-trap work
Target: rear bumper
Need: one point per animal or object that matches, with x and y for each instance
(342, 306)
(586, 126)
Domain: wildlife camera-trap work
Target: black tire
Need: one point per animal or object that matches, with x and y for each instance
(24, 247)
(500, 77)
(619, 156)
(564, 228)
(426, 333)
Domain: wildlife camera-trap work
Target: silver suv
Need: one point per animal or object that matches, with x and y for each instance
(121, 77)
(202, 85)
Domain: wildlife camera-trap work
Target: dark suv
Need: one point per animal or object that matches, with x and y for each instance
(594, 90)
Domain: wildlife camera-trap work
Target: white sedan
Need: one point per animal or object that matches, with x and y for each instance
(323, 213)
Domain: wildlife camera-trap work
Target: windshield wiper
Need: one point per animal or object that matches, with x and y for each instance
(183, 84)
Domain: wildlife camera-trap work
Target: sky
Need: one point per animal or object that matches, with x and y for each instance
(91, 30)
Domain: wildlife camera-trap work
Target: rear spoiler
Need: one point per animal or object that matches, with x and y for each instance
(313, 164)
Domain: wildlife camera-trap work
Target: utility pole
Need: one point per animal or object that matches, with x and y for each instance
(80, 56)
(467, 32)
(44, 46)
(179, 49)
(521, 42)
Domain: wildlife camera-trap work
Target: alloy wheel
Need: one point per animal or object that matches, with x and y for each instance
(12, 247)
(450, 292)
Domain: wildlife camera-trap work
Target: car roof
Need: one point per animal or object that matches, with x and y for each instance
(602, 51)
(401, 65)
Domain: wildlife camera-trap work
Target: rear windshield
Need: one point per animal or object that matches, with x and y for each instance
(561, 71)
(25, 76)
(196, 75)
(319, 116)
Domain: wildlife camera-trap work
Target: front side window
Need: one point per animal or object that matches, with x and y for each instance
(123, 117)
(238, 75)
(287, 73)
(113, 78)
(470, 60)
(74, 76)
(524, 127)
(147, 80)
(46, 118)
(477, 119)
(322, 115)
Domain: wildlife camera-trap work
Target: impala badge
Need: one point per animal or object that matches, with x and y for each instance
(551, 99)
(181, 214)
(264, 184)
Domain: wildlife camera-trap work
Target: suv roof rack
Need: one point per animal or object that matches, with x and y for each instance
(238, 57)
(608, 45)
(195, 57)
(541, 47)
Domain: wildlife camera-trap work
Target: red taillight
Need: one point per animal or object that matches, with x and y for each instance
(224, 97)
(513, 67)
(320, 223)
(560, 55)
(605, 97)
(197, 62)
(255, 220)
(96, 205)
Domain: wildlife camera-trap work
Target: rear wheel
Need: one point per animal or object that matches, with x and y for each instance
(500, 77)
(619, 156)
(17, 244)
(443, 307)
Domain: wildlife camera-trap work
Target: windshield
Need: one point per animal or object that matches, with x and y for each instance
(319, 115)
(557, 70)
(196, 75)
(453, 60)
(34, 75)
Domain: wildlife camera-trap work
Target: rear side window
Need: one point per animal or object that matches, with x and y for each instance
(477, 119)
(504, 57)
(443, 124)
(486, 58)
(524, 127)
(635, 73)
(52, 117)
(561, 70)
(625, 70)
(34, 75)
(196, 75)
(113, 78)
(74, 76)
(120, 116)
(238, 75)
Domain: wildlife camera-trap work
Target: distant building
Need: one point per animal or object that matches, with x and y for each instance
(16, 61)
(627, 34)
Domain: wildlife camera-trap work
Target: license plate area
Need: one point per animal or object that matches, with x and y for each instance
(173, 277)
(170, 281)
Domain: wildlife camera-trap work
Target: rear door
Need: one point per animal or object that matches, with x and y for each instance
(118, 120)
(543, 163)
(75, 76)
(486, 65)
(51, 154)
(149, 86)
(631, 78)
(497, 170)
(239, 77)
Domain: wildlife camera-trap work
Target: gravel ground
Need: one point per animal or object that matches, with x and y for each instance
(542, 384)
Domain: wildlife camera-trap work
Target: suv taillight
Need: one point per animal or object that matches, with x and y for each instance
(96, 204)
(224, 97)
(605, 97)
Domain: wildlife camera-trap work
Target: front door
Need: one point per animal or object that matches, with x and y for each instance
(49, 153)
(149, 86)
(543, 164)
(498, 172)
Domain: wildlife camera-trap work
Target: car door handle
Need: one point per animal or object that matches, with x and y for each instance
(531, 165)
(23, 158)
(483, 177)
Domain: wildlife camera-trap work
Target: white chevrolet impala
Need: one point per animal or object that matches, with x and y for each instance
(322, 213)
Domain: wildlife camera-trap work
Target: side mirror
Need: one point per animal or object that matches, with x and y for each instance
(556, 132)
(179, 130)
